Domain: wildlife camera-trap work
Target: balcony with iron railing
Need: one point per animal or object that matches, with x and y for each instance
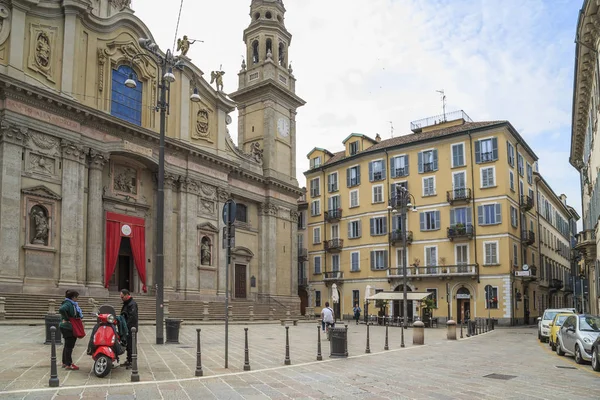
(526, 203)
(302, 254)
(419, 125)
(527, 237)
(586, 243)
(428, 167)
(459, 195)
(396, 238)
(334, 245)
(333, 275)
(556, 284)
(460, 231)
(333, 215)
(439, 271)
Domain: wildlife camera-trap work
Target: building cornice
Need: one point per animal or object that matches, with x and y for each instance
(262, 91)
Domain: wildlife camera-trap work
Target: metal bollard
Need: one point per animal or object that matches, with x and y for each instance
(419, 332)
(199, 371)
(135, 377)
(461, 329)
(368, 349)
(246, 355)
(346, 344)
(53, 382)
(386, 347)
(319, 355)
(451, 334)
(287, 346)
(402, 335)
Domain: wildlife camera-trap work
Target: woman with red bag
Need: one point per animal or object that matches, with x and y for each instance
(71, 315)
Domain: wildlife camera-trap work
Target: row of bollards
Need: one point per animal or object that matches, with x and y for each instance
(479, 326)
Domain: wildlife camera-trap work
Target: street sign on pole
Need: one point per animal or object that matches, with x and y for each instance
(229, 210)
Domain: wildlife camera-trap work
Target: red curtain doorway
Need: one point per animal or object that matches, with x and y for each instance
(117, 227)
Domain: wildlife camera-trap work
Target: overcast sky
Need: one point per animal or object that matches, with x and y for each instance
(360, 64)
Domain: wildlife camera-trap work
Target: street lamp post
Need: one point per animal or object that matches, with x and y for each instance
(167, 63)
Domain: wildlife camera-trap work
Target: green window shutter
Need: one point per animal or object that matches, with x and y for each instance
(420, 163)
(371, 171)
(480, 218)
(435, 159)
(477, 152)
(494, 149)
(452, 220)
(422, 218)
(358, 175)
(406, 165)
(437, 220)
(498, 213)
(348, 178)
(372, 226)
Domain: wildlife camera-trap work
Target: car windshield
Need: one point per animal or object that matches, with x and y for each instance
(560, 319)
(549, 315)
(589, 323)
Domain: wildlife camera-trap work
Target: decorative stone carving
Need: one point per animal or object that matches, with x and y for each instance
(72, 151)
(205, 251)
(268, 209)
(40, 206)
(244, 66)
(42, 49)
(41, 164)
(202, 125)
(39, 219)
(222, 195)
(217, 76)
(5, 22)
(41, 192)
(208, 191)
(207, 207)
(97, 160)
(238, 152)
(120, 4)
(294, 215)
(101, 63)
(171, 181)
(256, 152)
(44, 142)
(207, 227)
(14, 134)
(189, 185)
(125, 179)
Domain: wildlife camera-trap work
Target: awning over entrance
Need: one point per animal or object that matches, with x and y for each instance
(399, 296)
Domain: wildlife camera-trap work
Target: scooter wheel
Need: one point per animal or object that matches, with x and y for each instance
(102, 366)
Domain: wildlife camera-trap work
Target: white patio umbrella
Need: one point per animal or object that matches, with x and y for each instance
(334, 294)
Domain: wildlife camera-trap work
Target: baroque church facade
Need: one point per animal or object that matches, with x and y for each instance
(79, 154)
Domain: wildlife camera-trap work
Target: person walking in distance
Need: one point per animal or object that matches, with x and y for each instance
(327, 317)
(129, 311)
(357, 311)
(69, 309)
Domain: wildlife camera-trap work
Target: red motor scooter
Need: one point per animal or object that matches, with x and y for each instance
(106, 341)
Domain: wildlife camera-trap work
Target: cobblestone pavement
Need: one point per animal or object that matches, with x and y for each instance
(441, 369)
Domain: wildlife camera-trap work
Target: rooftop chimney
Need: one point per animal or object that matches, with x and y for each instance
(378, 138)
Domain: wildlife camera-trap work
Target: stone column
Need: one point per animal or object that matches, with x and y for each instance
(170, 253)
(17, 33)
(95, 223)
(222, 197)
(293, 143)
(294, 255)
(68, 59)
(12, 141)
(71, 223)
(268, 251)
(188, 241)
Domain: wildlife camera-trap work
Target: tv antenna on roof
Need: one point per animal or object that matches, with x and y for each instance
(443, 102)
(392, 128)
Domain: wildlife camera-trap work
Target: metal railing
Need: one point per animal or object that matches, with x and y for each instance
(487, 156)
(334, 244)
(333, 275)
(526, 202)
(396, 237)
(428, 167)
(455, 195)
(418, 125)
(302, 254)
(398, 172)
(460, 231)
(333, 215)
(527, 237)
(436, 270)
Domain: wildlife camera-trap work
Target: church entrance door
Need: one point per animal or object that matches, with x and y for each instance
(240, 281)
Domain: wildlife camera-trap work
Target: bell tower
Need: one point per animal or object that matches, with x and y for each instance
(266, 97)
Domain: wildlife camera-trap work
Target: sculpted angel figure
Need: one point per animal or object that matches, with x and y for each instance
(183, 45)
(218, 77)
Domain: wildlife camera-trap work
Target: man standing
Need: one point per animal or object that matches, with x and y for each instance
(327, 317)
(130, 313)
(357, 311)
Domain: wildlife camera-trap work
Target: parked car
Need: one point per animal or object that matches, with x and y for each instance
(596, 355)
(576, 336)
(555, 326)
(546, 318)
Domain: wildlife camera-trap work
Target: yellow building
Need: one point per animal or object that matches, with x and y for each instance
(473, 231)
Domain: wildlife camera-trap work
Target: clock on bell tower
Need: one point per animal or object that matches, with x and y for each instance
(266, 97)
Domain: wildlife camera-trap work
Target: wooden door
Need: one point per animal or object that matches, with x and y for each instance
(240, 281)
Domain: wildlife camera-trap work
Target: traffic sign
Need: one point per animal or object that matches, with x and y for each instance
(229, 209)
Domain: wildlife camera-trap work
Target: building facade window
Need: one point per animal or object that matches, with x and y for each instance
(126, 103)
(378, 226)
(332, 182)
(430, 220)
(429, 186)
(334, 203)
(458, 155)
(400, 259)
(515, 255)
(376, 170)
(511, 180)
(317, 262)
(315, 187)
(460, 216)
(491, 253)
(433, 296)
(377, 194)
(488, 177)
(462, 256)
(511, 153)
(354, 198)
(353, 176)
(514, 217)
(315, 208)
(335, 262)
(355, 261)
(241, 213)
(395, 188)
(354, 231)
(399, 166)
(379, 259)
(317, 235)
(355, 297)
(529, 174)
(486, 150)
(317, 298)
(428, 161)
(489, 214)
(354, 149)
(431, 258)
(520, 167)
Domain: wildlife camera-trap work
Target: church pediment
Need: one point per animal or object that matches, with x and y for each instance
(207, 226)
(242, 252)
(41, 191)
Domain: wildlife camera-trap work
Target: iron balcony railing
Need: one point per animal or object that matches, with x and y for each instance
(334, 245)
(428, 167)
(458, 195)
(487, 157)
(526, 203)
(302, 254)
(435, 271)
(527, 237)
(460, 231)
(556, 284)
(396, 238)
(417, 126)
(333, 275)
(333, 215)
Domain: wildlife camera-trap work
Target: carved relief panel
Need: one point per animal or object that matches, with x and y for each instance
(42, 50)
(203, 125)
(39, 215)
(5, 22)
(125, 179)
(42, 156)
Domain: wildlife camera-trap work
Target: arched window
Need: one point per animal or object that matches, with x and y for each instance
(255, 57)
(269, 48)
(126, 103)
(282, 54)
(241, 213)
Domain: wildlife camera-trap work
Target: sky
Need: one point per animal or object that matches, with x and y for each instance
(361, 64)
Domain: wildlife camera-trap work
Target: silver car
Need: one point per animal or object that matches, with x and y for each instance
(576, 336)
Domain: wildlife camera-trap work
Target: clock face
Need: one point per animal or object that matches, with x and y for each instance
(283, 127)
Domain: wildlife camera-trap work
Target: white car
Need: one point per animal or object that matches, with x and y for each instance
(544, 321)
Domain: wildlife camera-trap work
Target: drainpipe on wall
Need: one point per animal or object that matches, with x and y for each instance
(387, 181)
(473, 206)
(539, 225)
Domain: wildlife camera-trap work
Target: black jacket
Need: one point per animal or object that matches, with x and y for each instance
(130, 313)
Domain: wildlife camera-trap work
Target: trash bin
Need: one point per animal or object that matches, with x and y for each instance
(52, 320)
(172, 330)
(339, 342)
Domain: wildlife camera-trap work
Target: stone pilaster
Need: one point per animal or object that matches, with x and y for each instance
(188, 259)
(222, 197)
(170, 253)
(294, 255)
(268, 248)
(12, 141)
(72, 271)
(269, 156)
(95, 223)
(293, 142)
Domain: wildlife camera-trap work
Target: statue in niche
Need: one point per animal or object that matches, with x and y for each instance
(217, 76)
(205, 251)
(125, 180)
(202, 125)
(40, 225)
(42, 51)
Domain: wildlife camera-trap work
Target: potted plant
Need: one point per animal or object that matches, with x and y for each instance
(460, 228)
(443, 264)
